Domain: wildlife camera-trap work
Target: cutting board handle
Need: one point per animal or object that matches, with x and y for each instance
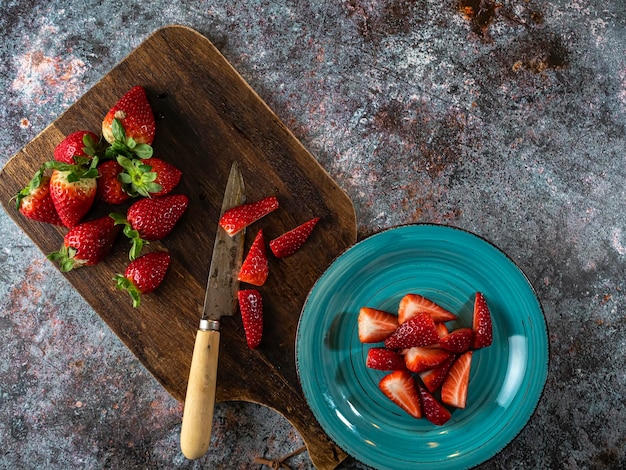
(195, 434)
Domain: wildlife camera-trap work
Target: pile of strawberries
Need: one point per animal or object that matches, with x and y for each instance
(113, 168)
(430, 365)
(255, 267)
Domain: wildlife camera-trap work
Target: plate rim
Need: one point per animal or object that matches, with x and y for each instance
(532, 412)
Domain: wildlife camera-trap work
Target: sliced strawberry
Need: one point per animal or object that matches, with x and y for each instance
(421, 358)
(384, 359)
(375, 325)
(457, 341)
(433, 378)
(454, 388)
(442, 329)
(151, 219)
(110, 188)
(251, 308)
(481, 324)
(417, 331)
(434, 411)
(86, 244)
(34, 200)
(412, 304)
(399, 387)
(151, 177)
(238, 218)
(288, 243)
(255, 267)
(143, 275)
(77, 144)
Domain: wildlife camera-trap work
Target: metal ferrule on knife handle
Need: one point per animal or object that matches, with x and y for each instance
(220, 300)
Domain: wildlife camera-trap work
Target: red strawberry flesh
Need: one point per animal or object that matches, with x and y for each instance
(421, 358)
(433, 378)
(455, 386)
(412, 304)
(399, 386)
(375, 325)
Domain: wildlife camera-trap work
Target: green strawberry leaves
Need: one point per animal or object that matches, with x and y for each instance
(126, 146)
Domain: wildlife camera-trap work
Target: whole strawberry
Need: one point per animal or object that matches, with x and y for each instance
(129, 125)
(73, 190)
(34, 200)
(151, 219)
(86, 244)
(143, 275)
(110, 188)
(77, 144)
(149, 178)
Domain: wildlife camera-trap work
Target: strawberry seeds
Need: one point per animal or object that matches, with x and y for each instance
(429, 365)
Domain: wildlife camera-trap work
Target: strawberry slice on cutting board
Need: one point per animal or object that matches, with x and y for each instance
(290, 242)
(236, 219)
(255, 267)
(400, 388)
(251, 308)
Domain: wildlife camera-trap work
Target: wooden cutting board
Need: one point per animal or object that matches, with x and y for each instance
(207, 116)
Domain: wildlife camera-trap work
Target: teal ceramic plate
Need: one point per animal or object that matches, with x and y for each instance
(449, 266)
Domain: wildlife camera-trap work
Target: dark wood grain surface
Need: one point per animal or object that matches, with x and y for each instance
(207, 116)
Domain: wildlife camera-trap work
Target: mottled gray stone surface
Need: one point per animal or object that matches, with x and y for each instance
(509, 123)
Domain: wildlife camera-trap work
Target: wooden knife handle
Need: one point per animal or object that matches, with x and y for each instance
(195, 434)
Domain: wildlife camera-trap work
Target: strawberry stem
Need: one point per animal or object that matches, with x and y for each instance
(125, 284)
(137, 242)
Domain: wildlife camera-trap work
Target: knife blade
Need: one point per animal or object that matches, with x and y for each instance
(220, 300)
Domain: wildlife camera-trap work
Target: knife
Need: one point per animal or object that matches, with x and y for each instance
(220, 300)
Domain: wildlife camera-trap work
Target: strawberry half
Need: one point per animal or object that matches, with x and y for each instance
(375, 325)
(454, 388)
(251, 308)
(151, 219)
(143, 275)
(420, 358)
(412, 304)
(400, 388)
(290, 242)
(151, 177)
(433, 378)
(73, 190)
(34, 200)
(236, 219)
(384, 359)
(86, 244)
(110, 188)
(134, 114)
(417, 331)
(481, 323)
(77, 144)
(434, 411)
(457, 341)
(255, 267)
